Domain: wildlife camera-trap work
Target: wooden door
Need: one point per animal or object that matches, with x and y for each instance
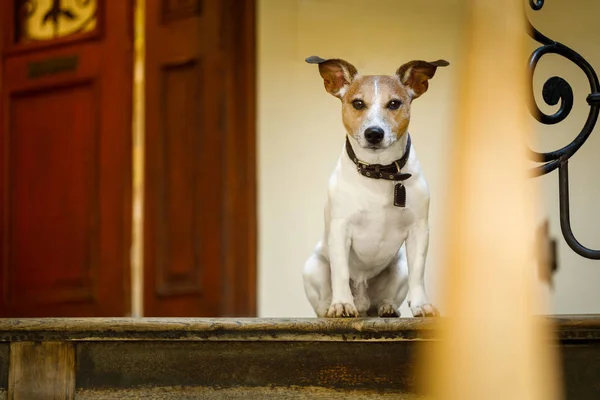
(199, 241)
(65, 152)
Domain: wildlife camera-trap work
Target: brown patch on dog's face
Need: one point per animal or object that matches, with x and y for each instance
(376, 102)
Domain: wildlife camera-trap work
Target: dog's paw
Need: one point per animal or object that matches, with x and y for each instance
(388, 311)
(423, 310)
(342, 310)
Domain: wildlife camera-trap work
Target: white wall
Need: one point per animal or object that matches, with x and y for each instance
(300, 133)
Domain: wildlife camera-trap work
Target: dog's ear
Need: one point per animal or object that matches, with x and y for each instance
(415, 75)
(337, 74)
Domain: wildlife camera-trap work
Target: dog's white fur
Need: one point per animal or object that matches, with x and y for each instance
(372, 253)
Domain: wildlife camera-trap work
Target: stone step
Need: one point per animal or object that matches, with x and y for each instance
(120, 358)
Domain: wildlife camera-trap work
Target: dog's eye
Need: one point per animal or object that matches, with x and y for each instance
(394, 104)
(358, 104)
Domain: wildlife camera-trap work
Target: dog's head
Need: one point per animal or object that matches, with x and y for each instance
(376, 108)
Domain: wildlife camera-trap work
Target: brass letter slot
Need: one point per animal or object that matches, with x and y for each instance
(52, 66)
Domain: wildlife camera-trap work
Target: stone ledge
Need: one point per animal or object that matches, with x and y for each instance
(575, 327)
(216, 329)
(173, 358)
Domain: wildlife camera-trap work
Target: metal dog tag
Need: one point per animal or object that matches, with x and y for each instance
(399, 195)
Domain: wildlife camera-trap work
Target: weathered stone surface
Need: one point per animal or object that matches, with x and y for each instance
(581, 369)
(312, 329)
(267, 358)
(580, 327)
(334, 365)
(240, 393)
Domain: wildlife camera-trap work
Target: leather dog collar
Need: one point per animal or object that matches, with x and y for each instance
(390, 172)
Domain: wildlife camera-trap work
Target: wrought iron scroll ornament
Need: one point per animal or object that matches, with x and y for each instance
(556, 89)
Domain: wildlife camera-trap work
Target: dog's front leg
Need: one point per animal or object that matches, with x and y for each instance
(342, 302)
(417, 244)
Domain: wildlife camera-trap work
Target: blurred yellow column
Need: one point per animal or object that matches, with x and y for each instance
(493, 347)
(137, 245)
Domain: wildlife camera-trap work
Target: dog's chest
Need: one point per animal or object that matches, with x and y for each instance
(377, 231)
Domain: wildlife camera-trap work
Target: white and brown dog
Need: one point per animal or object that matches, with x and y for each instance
(376, 215)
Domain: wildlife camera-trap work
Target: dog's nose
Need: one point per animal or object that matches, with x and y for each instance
(374, 134)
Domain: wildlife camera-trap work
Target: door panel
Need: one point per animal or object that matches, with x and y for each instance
(52, 270)
(65, 143)
(199, 234)
(179, 265)
(183, 196)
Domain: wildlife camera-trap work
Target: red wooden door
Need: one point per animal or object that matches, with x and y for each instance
(199, 236)
(65, 148)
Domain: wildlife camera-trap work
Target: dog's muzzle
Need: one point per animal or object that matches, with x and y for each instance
(374, 134)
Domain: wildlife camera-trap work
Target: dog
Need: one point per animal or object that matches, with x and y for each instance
(373, 250)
